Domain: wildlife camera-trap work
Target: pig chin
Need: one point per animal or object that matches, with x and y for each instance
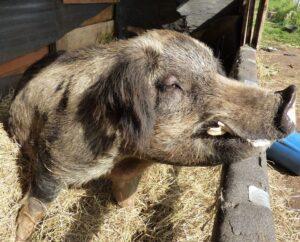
(226, 145)
(231, 149)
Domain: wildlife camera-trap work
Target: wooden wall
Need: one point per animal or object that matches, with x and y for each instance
(30, 30)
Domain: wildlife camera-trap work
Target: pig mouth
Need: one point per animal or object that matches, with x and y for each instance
(223, 129)
(220, 131)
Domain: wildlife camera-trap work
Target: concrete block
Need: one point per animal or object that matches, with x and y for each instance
(244, 208)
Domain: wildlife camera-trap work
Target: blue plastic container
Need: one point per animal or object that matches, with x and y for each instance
(286, 152)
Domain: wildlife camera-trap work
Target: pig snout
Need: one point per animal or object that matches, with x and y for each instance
(286, 116)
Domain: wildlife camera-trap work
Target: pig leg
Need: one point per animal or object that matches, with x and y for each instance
(125, 177)
(44, 189)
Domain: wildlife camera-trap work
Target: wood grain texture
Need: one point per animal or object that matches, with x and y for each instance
(246, 6)
(250, 21)
(20, 64)
(27, 26)
(104, 15)
(259, 24)
(88, 1)
(85, 36)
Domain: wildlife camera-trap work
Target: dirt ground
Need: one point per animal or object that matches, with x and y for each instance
(278, 69)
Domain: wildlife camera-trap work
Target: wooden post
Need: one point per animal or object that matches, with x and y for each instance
(250, 21)
(246, 4)
(88, 1)
(260, 20)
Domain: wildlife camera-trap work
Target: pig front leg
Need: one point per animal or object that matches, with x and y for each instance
(125, 177)
(44, 189)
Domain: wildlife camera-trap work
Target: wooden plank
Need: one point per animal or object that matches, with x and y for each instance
(246, 4)
(104, 15)
(88, 1)
(20, 64)
(86, 36)
(44, 22)
(250, 21)
(260, 20)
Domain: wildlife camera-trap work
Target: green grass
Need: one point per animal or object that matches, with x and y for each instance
(274, 33)
(283, 13)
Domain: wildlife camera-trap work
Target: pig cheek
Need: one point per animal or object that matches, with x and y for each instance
(165, 137)
(170, 133)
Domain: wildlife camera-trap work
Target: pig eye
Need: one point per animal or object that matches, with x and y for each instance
(169, 83)
(176, 86)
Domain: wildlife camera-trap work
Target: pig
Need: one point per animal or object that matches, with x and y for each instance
(113, 110)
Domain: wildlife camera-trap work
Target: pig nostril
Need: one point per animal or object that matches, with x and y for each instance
(284, 120)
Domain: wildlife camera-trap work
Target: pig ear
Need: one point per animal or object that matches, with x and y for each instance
(122, 100)
(129, 102)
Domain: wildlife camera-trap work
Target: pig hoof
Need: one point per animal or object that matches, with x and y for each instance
(124, 200)
(29, 215)
(124, 192)
(127, 203)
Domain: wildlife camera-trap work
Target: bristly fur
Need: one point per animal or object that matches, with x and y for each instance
(118, 98)
(150, 98)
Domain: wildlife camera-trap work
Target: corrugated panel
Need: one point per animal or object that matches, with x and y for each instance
(29, 25)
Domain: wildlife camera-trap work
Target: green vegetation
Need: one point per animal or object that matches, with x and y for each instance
(282, 13)
(273, 33)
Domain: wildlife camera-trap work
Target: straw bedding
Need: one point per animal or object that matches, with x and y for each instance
(173, 204)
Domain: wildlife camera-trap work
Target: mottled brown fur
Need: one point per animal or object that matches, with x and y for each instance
(151, 98)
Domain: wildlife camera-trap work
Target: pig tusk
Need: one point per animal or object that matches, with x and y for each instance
(217, 131)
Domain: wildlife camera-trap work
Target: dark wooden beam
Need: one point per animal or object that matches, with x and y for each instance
(250, 22)
(259, 24)
(102, 16)
(88, 1)
(246, 4)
